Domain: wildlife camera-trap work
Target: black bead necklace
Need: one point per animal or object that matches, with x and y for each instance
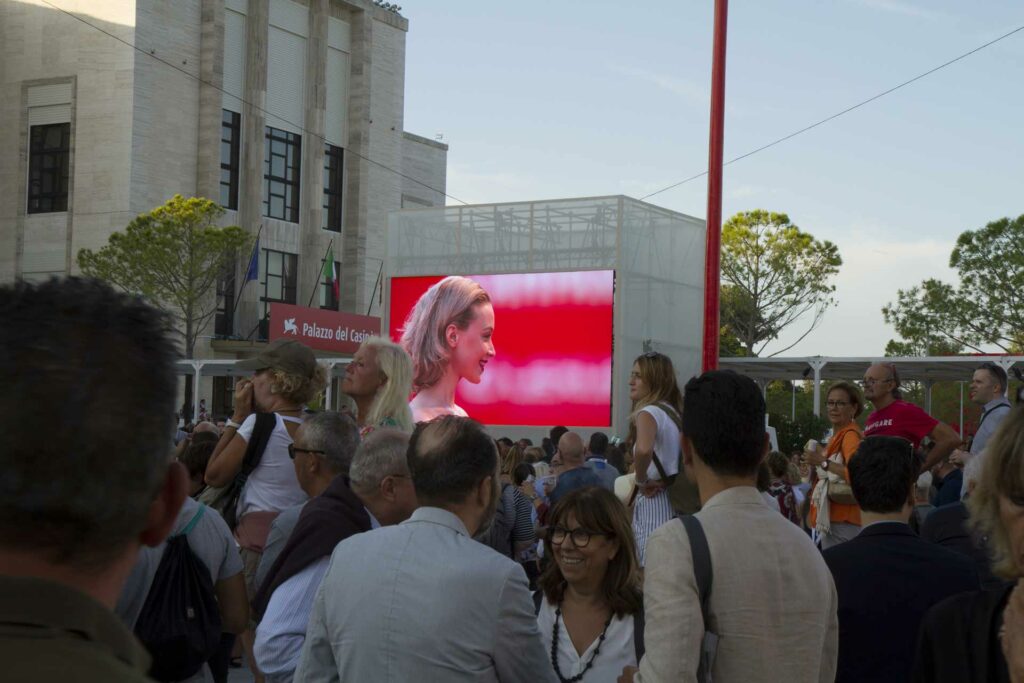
(554, 648)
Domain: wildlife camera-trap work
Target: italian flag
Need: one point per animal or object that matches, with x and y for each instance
(330, 273)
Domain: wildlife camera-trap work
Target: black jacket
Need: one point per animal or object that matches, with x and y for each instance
(947, 526)
(887, 579)
(960, 640)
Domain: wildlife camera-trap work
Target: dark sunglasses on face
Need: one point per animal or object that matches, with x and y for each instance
(292, 450)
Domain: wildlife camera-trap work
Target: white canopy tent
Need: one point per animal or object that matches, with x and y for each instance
(928, 370)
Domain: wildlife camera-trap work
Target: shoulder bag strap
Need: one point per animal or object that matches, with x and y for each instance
(538, 597)
(192, 523)
(261, 433)
(701, 561)
(990, 411)
(638, 634)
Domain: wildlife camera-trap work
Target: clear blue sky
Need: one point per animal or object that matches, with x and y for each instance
(558, 99)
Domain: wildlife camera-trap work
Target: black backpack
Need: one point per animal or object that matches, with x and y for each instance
(499, 534)
(180, 623)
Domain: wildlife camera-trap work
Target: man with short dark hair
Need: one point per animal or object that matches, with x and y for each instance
(988, 391)
(573, 474)
(887, 577)
(423, 601)
(772, 602)
(80, 491)
(597, 461)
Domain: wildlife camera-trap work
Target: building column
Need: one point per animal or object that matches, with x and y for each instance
(312, 239)
(250, 195)
(211, 75)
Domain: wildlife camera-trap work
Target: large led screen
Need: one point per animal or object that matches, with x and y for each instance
(552, 338)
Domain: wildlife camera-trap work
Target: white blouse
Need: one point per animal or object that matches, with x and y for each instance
(617, 651)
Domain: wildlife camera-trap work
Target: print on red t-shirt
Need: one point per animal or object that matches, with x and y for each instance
(901, 419)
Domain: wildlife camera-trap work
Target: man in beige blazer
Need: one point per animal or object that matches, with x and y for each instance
(772, 602)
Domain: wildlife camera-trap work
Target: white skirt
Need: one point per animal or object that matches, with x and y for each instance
(648, 515)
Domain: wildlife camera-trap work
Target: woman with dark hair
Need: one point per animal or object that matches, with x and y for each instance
(590, 609)
(654, 433)
(834, 512)
(979, 636)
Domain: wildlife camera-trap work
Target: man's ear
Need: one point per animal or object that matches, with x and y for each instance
(485, 491)
(163, 511)
(687, 451)
(387, 488)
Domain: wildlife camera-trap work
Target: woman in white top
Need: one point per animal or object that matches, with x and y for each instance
(448, 335)
(654, 434)
(286, 376)
(589, 605)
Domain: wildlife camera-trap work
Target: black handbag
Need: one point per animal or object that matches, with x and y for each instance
(226, 502)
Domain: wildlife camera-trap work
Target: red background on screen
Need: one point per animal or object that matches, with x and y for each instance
(553, 347)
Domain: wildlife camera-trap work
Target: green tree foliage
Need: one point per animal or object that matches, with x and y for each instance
(773, 274)
(172, 256)
(985, 309)
(793, 434)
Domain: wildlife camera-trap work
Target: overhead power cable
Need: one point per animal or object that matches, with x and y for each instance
(841, 113)
(305, 130)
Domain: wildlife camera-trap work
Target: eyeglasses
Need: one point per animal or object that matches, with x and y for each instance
(292, 450)
(580, 537)
(652, 354)
(871, 381)
(837, 404)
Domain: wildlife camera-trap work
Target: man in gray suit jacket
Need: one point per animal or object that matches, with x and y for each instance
(423, 601)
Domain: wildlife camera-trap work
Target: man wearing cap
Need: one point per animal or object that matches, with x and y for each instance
(285, 377)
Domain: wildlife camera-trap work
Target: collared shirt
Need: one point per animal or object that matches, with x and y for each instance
(52, 632)
(992, 414)
(282, 631)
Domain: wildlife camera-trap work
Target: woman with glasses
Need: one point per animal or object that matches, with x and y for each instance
(834, 513)
(979, 636)
(590, 609)
(654, 432)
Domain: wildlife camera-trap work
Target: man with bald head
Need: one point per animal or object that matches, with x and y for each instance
(895, 417)
(574, 475)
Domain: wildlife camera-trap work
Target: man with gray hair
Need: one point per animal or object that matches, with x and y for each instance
(79, 496)
(322, 449)
(380, 494)
(422, 601)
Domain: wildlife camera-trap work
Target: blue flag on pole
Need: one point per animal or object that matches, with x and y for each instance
(254, 263)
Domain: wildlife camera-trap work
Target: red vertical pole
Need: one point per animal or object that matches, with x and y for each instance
(712, 255)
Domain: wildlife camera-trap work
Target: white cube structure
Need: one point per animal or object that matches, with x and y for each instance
(657, 256)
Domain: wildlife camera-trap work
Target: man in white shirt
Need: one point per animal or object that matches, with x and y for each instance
(378, 492)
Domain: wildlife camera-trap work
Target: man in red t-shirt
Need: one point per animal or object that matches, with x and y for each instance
(895, 417)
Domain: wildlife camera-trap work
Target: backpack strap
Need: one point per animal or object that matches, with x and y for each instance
(192, 523)
(701, 561)
(538, 598)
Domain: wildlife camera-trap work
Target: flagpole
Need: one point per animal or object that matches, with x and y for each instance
(245, 281)
(320, 272)
(380, 273)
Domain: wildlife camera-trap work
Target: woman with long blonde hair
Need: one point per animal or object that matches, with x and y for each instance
(654, 434)
(379, 381)
(448, 335)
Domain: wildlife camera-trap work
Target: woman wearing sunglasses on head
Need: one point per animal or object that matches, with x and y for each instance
(590, 609)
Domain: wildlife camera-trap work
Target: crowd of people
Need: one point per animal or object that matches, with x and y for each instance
(389, 542)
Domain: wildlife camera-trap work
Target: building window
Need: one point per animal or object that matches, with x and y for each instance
(282, 154)
(278, 276)
(223, 397)
(327, 298)
(224, 320)
(333, 184)
(48, 167)
(230, 144)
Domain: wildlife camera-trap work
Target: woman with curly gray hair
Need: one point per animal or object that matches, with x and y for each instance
(979, 636)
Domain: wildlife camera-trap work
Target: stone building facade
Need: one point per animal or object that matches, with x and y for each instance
(111, 107)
